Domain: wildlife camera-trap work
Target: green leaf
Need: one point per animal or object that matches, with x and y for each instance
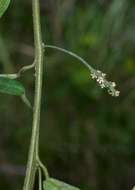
(3, 6)
(13, 87)
(133, 188)
(54, 184)
(10, 86)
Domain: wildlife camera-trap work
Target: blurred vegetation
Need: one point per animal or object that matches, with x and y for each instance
(87, 137)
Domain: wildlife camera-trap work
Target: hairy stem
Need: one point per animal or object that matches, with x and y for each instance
(32, 161)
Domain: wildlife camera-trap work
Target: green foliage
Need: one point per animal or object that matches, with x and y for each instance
(54, 184)
(3, 6)
(12, 87)
(87, 137)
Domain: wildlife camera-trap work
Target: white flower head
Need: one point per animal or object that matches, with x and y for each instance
(103, 83)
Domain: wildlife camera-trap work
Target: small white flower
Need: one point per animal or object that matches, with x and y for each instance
(103, 75)
(99, 72)
(93, 75)
(113, 84)
(117, 93)
(102, 85)
(100, 80)
(114, 93)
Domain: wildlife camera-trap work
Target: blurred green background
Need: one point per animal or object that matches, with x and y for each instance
(87, 137)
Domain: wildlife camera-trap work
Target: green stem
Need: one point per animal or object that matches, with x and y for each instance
(85, 63)
(40, 178)
(44, 169)
(32, 162)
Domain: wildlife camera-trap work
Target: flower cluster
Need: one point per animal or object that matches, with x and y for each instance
(103, 83)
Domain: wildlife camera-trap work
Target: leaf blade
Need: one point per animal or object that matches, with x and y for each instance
(11, 86)
(15, 88)
(55, 184)
(3, 6)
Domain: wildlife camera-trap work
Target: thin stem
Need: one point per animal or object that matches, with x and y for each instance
(25, 68)
(10, 76)
(39, 163)
(95, 74)
(32, 162)
(85, 63)
(40, 178)
(44, 169)
(17, 75)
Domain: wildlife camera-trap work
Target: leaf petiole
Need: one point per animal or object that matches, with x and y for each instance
(17, 75)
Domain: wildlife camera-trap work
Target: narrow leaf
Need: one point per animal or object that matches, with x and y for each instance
(10, 86)
(13, 87)
(3, 6)
(54, 184)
